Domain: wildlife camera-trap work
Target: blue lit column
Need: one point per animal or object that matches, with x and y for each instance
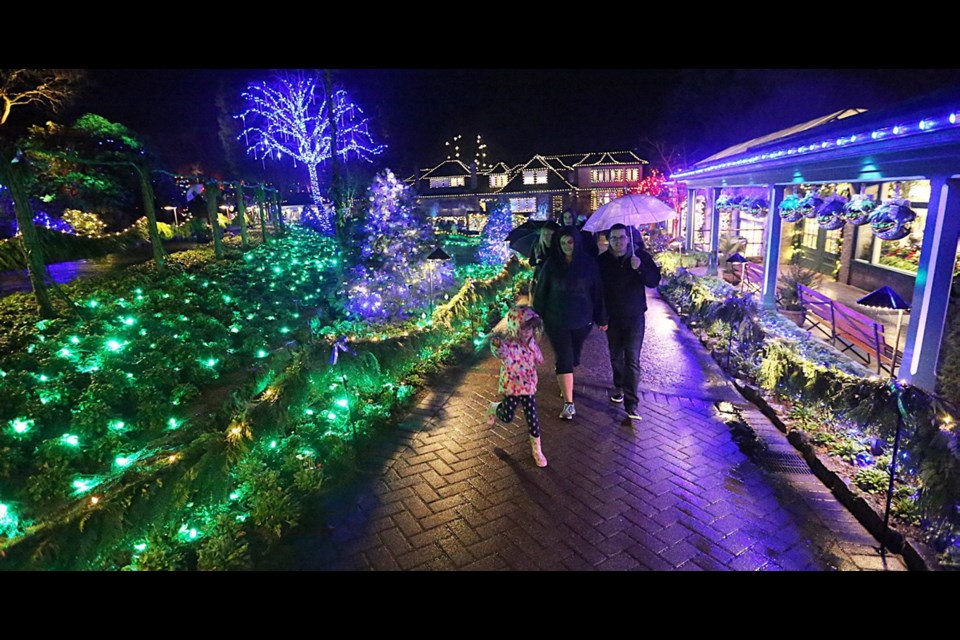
(691, 217)
(931, 293)
(771, 260)
(714, 213)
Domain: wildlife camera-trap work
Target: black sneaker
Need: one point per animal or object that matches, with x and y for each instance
(617, 396)
(634, 415)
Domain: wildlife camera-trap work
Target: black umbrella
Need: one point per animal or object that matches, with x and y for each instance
(525, 237)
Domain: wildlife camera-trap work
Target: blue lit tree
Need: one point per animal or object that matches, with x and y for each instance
(494, 249)
(291, 116)
(391, 280)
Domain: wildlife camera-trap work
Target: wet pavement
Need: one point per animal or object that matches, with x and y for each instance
(673, 492)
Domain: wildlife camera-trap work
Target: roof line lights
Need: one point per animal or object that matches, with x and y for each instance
(924, 125)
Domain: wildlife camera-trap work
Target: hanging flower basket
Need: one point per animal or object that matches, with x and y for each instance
(755, 207)
(892, 220)
(789, 209)
(722, 203)
(728, 203)
(859, 209)
(829, 214)
(809, 204)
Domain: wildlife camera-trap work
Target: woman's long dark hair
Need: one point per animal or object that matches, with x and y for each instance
(579, 252)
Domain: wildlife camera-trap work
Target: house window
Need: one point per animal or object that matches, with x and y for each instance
(903, 254)
(497, 181)
(441, 183)
(535, 176)
(556, 204)
(614, 175)
(523, 205)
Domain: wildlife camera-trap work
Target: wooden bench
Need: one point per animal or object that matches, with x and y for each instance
(818, 311)
(753, 277)
(847, 327)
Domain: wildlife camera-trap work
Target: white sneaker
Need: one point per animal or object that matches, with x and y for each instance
(568, 411)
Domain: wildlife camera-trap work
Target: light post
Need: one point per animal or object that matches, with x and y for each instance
(176, 222)
(887, 298)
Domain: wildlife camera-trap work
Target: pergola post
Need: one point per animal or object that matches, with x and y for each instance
(714, 213)
(931, 293)
(771, 260)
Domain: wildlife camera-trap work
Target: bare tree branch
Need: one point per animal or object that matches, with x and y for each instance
(51, 88)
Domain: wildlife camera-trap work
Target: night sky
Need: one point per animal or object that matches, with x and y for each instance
(519, 112)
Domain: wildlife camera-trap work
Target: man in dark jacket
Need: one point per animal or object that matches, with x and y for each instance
(626, 269)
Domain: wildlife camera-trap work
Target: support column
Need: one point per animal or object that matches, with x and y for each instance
(714, 213)
(771, 259)
(691, 217)
(931, 293)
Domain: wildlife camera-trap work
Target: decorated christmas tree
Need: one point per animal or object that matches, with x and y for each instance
(494, 249)
(392, 280)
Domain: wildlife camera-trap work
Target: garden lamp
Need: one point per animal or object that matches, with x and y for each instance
(887, 298)
(739, 259)
(438, 254)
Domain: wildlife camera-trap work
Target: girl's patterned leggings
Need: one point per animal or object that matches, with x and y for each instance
(508, 407)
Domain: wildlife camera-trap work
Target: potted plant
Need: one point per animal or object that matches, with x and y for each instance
(788, 299)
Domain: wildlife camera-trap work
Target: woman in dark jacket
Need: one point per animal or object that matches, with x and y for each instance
(569, 298)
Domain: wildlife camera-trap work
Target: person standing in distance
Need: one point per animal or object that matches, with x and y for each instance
(626, 269)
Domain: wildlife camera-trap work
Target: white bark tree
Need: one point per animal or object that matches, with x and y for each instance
(287, 116)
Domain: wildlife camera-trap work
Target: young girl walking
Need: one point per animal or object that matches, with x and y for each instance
(519, 355)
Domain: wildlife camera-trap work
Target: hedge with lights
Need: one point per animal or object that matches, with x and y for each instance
(180, 419)
(853, 407)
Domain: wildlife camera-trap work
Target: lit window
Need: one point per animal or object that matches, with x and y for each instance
(456, 181)
(535, 176)
(523, 205)
(497, 181)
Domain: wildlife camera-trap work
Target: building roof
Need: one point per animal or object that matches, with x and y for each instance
(555, 181)
(447, 169)
(500, 167)
(918, 137)
(608, 157)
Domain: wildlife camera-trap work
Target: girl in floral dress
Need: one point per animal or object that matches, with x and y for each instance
(519, 355)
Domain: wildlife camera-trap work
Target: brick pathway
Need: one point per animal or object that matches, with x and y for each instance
(674, 492)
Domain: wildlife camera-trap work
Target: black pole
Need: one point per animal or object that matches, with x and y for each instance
(893, 470)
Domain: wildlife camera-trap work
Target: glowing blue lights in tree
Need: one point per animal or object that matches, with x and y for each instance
(494, 249)
(391, 280)
(288, 116)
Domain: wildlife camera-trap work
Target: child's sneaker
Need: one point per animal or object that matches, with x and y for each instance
(492, 413)
(568, 411)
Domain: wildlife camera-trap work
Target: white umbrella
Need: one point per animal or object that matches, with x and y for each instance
(631, 210)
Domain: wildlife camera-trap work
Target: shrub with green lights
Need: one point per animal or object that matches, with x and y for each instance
(179, 419)
(845, 408)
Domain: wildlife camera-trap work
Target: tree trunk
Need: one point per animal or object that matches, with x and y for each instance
(336, 182)
(12, 175)
(242, 214)
(262, 199)
(279, 210)
(327, 226)
(146, 190)
(211, 191)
